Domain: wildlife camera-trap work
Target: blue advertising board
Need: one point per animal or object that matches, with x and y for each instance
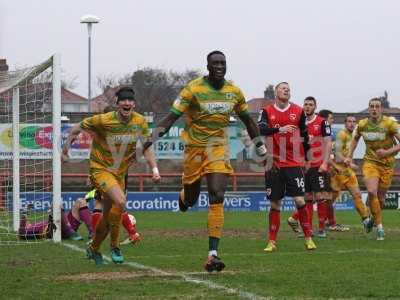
(168, 201)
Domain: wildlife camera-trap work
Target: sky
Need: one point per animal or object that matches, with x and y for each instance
(342, 52)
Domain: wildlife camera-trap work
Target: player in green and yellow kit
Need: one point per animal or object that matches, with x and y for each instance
(208, 103)
(115, 136)
(343, 176)
(380, 134)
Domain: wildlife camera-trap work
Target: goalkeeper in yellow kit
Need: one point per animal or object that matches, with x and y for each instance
(115, 136)
(380, 134)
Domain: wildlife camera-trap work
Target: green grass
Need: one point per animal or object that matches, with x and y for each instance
(349, 265)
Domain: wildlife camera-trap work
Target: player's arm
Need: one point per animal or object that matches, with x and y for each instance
(179, 107)
(339, 157)
(304, 135)
(353, 145)
(264, 128)
(395, 131)
(326, 133)
(253, 132)
(152, 162)
(73, 134)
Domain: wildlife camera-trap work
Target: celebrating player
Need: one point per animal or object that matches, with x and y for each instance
(115, 135)
(343, 176)
(208, 103)
(316, 177)
(380, 134)
(284, 124)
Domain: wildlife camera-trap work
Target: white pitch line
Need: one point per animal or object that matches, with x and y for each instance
(212, 285)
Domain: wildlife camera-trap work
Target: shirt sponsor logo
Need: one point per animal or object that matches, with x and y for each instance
(374, 136)
(218, 107)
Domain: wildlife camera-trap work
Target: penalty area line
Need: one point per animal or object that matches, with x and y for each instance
(212, 285)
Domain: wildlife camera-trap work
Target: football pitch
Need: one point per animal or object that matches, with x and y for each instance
(168, 263)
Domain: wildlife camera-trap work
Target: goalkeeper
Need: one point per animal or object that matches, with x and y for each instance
(44, 229)
(115, 135)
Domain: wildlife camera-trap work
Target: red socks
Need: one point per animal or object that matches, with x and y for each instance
(126, 222)
(322, 206)
(274, 223)
(331, 214)
(305, 221)
(96, 216)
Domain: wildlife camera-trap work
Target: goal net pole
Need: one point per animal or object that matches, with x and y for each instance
(56, 107)
(16, 182)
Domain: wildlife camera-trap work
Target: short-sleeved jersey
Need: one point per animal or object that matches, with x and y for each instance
(317, 129)
(114, 142)
(208, 111)
(342, 144)
(287, 147)
(376, 136)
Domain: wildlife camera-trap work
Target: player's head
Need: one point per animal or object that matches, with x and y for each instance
(309, 106)
(375, 108)
(216, 65)
(282, 91)
(350, 122)
(327, 115)
(125, 101)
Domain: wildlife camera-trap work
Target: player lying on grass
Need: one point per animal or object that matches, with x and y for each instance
(44, 229)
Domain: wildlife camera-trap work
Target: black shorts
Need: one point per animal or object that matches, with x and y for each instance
(284, 181)
(317, 181)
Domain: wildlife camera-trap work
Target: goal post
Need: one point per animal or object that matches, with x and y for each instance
(30, 148)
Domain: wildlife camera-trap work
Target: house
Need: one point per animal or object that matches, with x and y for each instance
(72, 102)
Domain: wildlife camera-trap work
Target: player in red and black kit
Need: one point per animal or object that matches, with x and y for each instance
(284, 125)
(316, 178)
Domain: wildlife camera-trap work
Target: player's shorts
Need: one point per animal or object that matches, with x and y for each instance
(385, 174)
(103, 180)
(284, 181)
(73, 222)
(199, 161)
(316, 181)
(344, 179)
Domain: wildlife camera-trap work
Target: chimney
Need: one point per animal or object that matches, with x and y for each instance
(3, 65)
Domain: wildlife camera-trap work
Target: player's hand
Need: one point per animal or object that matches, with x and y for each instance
(156, 178)
(381, 153)
(156, 175)
(348, 161)
(64, 157)
(323, 167)
(288, 129)
(261, 150)
(354, 166)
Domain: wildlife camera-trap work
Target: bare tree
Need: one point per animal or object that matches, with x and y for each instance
(155, 89)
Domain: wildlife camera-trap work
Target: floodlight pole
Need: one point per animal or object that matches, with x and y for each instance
(89, 20)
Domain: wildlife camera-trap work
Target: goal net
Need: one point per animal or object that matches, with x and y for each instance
(30, 171)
